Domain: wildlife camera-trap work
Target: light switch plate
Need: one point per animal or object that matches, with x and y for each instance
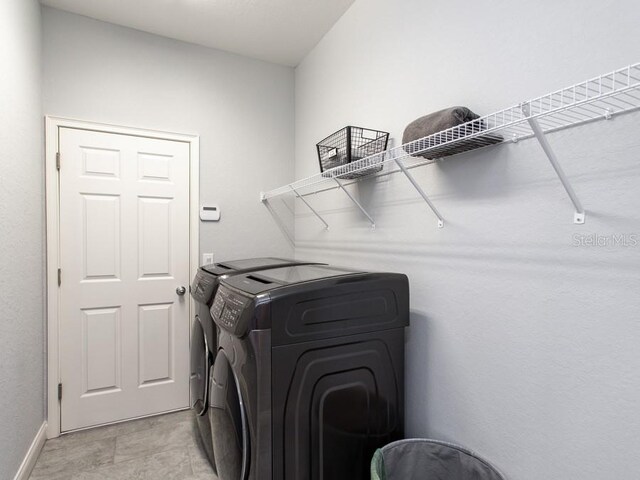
(207, 258)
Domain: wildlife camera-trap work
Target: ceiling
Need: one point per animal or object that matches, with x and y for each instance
(278, 31)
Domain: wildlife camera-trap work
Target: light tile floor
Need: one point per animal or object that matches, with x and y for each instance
(163, 447)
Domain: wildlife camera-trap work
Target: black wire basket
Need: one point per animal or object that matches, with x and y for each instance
(348, 145)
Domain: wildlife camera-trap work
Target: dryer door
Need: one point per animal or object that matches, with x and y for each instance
(228, 422)
(334, 403)
(200, 366)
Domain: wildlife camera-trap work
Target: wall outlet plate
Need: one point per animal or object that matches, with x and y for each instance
(207, 258)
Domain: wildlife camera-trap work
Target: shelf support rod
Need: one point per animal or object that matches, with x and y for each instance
(278, 220)
(579, 215)
(326, 225)
(373, 223)
(420, 191)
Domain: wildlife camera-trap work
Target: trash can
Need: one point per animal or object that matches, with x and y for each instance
(423, 459)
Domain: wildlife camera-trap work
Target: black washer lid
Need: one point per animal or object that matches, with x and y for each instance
(247, 264)
(270, 279)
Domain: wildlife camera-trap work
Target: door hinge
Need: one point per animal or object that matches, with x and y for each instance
(58, 160)
(59, 391)
(59, 276)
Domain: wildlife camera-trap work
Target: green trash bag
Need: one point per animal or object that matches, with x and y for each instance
(421, 459)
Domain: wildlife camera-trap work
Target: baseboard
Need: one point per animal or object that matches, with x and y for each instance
(32, 454)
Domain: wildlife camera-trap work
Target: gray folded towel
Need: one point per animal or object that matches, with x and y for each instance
(443, 120)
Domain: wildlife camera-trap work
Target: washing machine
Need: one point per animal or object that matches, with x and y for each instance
(204, 332)
(309, 377)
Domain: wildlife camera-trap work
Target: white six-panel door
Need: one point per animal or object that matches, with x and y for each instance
(124, 250)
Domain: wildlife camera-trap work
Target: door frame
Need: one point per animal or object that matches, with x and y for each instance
(52, 208)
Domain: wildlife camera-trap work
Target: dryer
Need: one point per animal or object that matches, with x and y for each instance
(204, 332)
(308, 380)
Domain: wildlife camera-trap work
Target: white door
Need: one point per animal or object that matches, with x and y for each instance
(124, 250)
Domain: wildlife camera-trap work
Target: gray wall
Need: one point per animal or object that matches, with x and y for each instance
(522, 346)
(21, 232)
(241, 108)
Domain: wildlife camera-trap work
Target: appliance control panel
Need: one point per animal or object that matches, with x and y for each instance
(227, 309)
(202, 287)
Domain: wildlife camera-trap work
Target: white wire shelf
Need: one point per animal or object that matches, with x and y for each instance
(598, 98)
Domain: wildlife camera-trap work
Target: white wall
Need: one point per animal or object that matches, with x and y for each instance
(241, 108)
(21, 232)
(522, 346)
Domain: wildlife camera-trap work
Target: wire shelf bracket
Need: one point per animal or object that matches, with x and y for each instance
(356, 203)
(326, 225)
(420, 191)
(579, 215)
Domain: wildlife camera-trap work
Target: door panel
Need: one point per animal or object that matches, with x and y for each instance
(101, 236)
(154, 216)
(154, 167)
(124, 248)
(156, 354)
(100, 162)
(101, 350)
